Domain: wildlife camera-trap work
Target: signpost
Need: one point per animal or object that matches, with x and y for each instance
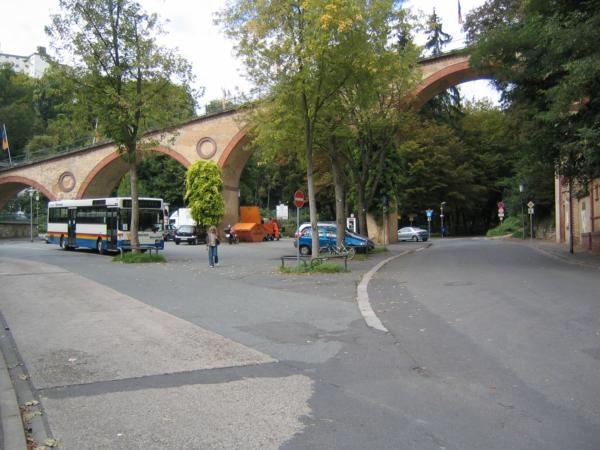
(530, 206)
(501, 211)
(299, 203)
(429, 213)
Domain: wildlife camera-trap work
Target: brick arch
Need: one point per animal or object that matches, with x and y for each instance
(445, 78)
(117, 163)
(7, 188)
(232, 163)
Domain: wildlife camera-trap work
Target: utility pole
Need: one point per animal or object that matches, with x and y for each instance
(521, 189)
(442, 218)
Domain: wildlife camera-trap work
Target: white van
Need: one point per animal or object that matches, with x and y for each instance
(183, 216)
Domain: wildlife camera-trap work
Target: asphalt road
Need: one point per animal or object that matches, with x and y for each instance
(491, 345)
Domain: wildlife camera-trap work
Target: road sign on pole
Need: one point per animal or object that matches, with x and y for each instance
(530, 206)
(299, 199)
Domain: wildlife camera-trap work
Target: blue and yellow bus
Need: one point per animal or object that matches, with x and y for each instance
(104, 224)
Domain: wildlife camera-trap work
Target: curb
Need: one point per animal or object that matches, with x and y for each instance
(10, 414)
(362, 293)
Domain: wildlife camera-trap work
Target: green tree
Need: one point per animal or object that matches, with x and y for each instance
(16, 111)
(437, 39)
(299, 54)
(110, 47)
(159, 176)
(204, 187)
(305, 56)
(446, 106)
(548, 63)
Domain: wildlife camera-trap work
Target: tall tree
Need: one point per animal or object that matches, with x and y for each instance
(16, 111)
(300, 54)
(445, 106)
(111, 48)
(437, 38)
(546, 59)
(305, 54)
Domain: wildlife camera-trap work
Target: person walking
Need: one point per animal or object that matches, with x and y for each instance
(212, 242)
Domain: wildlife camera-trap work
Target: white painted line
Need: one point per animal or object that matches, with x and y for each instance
(362, 295)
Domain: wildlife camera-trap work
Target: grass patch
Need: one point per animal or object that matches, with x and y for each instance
(314, 268)
(511, 225)
(134, 258)
(379, 249)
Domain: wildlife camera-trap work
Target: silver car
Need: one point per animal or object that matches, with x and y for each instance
(412, 234)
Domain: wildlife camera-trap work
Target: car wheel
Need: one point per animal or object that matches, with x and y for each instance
(176, 241)
(415, 238)
(304, 250)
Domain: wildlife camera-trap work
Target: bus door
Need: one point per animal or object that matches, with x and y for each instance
(71, 228)
(111, 229)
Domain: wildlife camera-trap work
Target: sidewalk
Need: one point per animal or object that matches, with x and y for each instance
(561, 251)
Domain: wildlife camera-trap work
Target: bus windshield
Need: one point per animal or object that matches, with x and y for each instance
(148, 220)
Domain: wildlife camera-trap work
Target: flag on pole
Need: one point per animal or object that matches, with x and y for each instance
(460, 18)
(4, 138)
(5, 145)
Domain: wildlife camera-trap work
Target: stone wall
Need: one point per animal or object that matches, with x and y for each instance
(17, 229)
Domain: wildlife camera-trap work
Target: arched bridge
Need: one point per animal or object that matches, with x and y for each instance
(95, 171)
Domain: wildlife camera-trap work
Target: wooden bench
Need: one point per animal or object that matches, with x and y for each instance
(140, 247)
(307, 260)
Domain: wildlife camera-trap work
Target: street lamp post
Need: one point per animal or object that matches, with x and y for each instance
(442, 218)
(521, 189)
(37, 211)
(30, 191)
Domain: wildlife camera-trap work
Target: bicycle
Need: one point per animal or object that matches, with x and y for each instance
(340, 250)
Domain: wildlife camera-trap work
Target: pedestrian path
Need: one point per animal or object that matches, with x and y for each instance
(104, 365)
(578, 257)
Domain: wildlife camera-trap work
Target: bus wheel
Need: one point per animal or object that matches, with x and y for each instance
(63, 243)
(99, 247)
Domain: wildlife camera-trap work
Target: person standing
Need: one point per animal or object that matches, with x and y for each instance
(212, 242)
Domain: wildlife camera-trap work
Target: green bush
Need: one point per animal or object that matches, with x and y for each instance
(511, 226)
(133, 258)
(314, 268)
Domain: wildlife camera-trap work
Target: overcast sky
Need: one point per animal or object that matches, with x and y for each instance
(191, 29)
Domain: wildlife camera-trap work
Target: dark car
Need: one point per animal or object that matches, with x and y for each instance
(190, 234)
(169, 232)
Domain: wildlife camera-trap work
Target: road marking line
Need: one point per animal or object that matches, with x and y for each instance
(362, 295)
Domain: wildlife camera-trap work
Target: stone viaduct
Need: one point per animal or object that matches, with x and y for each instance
(96, 170)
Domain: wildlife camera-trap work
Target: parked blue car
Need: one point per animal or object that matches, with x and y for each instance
(327, 236)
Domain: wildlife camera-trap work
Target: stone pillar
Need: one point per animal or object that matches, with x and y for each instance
(386, 232)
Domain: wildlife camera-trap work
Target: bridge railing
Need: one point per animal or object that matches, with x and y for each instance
(15, 217)
(29, 156)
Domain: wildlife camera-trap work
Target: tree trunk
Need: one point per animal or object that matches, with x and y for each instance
(340, 197)
(310, 180)
(362, 210)
(135, 210)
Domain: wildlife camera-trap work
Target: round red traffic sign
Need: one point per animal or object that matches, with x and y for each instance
(299, 199)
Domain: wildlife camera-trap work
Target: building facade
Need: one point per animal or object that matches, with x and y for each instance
(584, 213)
(33, 65)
